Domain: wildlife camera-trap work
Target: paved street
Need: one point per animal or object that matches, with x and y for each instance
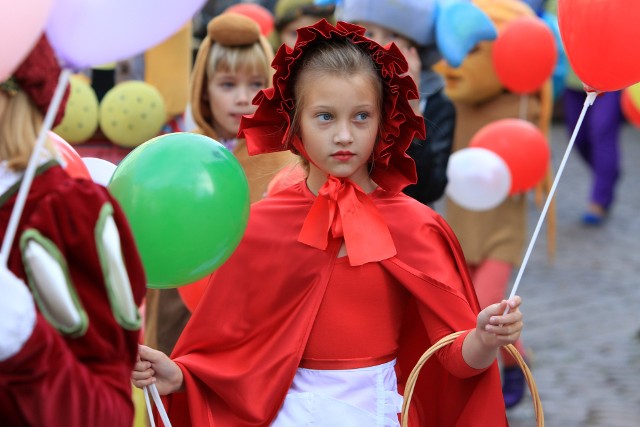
(582, 312)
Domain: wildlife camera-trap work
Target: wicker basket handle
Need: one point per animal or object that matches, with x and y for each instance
(413, 377)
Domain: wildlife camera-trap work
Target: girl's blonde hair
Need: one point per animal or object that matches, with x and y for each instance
(338, 58)
(19, 127)
(238, 58)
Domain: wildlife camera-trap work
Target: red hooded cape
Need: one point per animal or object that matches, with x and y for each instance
(240, 351)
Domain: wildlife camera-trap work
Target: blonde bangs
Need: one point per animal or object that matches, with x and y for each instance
(235, 59)
(19, 128)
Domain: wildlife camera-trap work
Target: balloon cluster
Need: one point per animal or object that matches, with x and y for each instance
(505, 157)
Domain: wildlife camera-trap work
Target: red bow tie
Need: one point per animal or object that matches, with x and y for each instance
(343, 209)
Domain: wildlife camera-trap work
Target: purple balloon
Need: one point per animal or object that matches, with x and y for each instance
(86, 33)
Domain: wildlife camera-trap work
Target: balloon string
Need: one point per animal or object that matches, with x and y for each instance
(147, 403)
(29, 172)
(524, 104)
(158, 402)
(591, 96)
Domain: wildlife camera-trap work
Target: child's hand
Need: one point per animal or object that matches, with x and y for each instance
(495, 329)
(17, 314)
(155, 367)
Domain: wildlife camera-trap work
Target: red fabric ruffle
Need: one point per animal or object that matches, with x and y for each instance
(266, 129)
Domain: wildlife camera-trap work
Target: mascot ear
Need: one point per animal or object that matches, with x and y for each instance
(51, 285)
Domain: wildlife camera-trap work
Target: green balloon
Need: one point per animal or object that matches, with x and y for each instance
(187, 201)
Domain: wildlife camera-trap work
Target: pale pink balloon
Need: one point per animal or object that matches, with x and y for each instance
(21, 24)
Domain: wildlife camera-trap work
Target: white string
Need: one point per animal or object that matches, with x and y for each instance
(159, 405)
(29, 172)
(147, 403)
(591, 96)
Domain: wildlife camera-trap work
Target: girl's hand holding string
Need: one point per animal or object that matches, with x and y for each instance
(155, 367)
(494, 329)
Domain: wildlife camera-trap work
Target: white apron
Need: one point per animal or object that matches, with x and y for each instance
(363, 397)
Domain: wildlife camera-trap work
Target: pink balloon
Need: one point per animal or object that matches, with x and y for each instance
(86, 33)
(21, 24)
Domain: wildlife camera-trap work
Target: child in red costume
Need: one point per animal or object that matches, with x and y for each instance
(68, 340)
(341, 281)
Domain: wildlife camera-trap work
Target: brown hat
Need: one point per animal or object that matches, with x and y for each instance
(38, 77)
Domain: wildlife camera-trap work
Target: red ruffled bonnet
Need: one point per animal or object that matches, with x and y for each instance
(366, 235)
(267, 128)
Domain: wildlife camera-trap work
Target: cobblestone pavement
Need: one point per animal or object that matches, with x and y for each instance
(582, 312)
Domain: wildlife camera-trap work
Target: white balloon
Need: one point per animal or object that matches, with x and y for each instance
(479, 179)
(99, 169)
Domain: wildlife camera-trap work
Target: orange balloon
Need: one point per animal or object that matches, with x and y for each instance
(629, 109)
(521, 145)
(600, 38)
(192, 293)
(73, 163)
(524, 55)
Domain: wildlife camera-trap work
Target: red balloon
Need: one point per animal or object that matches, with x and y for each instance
(192, 293)
(521, 145)
(601, 41)
(629, 109)
(524, 55)
(73, 163)
(261, 15)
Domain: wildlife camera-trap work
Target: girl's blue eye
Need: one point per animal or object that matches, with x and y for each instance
(324, 116)
(227, 85)
(362, 116)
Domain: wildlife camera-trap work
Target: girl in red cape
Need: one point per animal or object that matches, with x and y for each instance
(341, 281)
